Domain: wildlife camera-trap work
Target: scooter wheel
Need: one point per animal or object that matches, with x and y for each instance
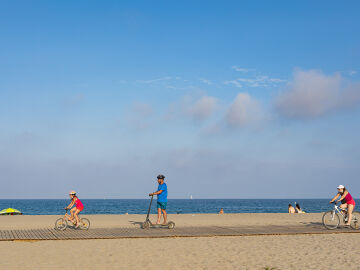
(171, 225)
(145, 225)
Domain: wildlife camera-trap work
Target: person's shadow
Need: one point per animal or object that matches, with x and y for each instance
(139, 223)
(312, 224)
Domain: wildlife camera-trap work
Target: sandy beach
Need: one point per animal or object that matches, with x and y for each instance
(241, 252)
(183, 220)
(254, 252)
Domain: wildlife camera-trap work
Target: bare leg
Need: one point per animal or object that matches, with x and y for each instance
(164, 215)
(159, 216)
(350, 210)
(343, 208)
(72, 211)
(76, 215)
(68, 217)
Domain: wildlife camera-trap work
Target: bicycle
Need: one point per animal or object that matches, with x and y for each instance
(62, 223)
(331, 219)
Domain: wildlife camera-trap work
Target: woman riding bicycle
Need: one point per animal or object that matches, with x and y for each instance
(346, 200)
(76, 210)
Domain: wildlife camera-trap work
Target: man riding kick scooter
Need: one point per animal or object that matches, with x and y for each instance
(161, 199)
(161, 207)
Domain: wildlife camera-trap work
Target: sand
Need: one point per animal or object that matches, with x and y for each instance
(330, 251)
(339, 251)
(184, 220)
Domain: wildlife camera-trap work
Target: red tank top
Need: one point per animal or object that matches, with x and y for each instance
(79, 204)
(348, 198)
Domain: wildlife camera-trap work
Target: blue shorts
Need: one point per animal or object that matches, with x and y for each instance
(161, 205)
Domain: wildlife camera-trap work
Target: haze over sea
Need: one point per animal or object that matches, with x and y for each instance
(175, 206)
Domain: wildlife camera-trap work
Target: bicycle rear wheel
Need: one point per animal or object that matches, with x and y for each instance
(84, 224)
(355, 221)
(331, 220)
(60, 224)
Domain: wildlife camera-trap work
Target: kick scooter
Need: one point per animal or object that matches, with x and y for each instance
(147, 223)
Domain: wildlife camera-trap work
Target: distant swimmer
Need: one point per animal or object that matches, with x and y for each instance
(291, 209)
(221, 211)
(346, 200)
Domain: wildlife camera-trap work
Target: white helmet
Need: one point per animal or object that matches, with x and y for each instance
(72, 192)
(340, 187)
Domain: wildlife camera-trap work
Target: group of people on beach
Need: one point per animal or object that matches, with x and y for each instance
(297, 209)
(161, 193)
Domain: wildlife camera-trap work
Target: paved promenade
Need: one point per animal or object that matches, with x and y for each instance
(118, 233)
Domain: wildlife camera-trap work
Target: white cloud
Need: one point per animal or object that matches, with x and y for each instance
(244, 70)
(203, 108)
(258, 81)
(352, 72)
(312, 94)
(206, 81)
(275, 80)
(167, 78)
(234, 82)
(243, 111)
(198, 108)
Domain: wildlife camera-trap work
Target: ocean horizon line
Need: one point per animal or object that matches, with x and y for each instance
(84, 198)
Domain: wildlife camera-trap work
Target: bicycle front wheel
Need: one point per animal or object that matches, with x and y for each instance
(355, 220)
(84, 224)
(60, 224)
(331, 220)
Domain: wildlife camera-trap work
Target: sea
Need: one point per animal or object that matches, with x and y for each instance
(174, 206)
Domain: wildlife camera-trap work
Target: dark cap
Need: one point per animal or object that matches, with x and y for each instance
(160, 176)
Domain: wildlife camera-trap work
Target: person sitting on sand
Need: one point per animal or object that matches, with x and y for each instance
(298, 209)
(74, 218)
(291, 209)
(346, 200)
(161, 199)
(221, 211)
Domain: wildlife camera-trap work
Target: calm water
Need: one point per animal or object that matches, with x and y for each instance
(140, 206)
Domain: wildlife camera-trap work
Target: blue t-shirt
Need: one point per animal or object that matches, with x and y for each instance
(163, 196)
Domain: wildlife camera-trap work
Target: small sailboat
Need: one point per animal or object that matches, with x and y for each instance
(190, 197)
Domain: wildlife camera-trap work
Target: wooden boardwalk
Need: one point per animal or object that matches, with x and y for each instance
(118, 233)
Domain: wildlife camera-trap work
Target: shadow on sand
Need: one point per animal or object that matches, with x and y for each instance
(136, 223)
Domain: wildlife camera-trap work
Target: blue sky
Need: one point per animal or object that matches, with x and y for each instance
(228, 99)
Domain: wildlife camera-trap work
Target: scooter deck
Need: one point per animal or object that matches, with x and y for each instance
(148, 224)
(159, 225)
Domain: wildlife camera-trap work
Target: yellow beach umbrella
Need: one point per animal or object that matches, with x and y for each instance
(10, 211)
